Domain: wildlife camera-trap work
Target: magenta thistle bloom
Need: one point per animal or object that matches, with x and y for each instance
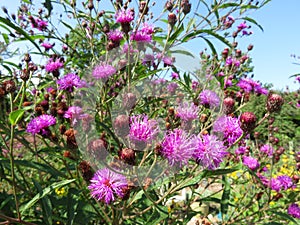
(250, 162)
(177, 147)
(40, 124)
(229, 127)
(103, 71)
(209, 98)
(242, 26)
(209, 151)
(124, 16)
(74, 113)
(248, 85)
(174, 75)
(69, 81)
(142, 129)
(286, 182)
(140, 36)
(148, 29)
(39, 24)
(115, 35)
(172, 87)
(107, 184)
(167, 61)
(187, 112)
(267, 149)
(53, 65)
(47, 45)
(294, 210)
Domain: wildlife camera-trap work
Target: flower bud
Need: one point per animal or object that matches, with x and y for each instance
(121, 125)
(9, 86)
(228, 105)
(169, 5)
(247, 121)
(129, 100)
(86, 171)
(186, 6)
(172, 19)
(274, 102)
(127, 155)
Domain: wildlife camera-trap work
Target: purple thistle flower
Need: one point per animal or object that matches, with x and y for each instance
(147, 28)
(115, 35)
(140, 36)
(167, 61)
(229, 127)
(250, 162)
(209, 151)
(242, 26)
(294, 210)
(249, 85)
(172, 87)
(124, 16)
(297, 79)
(174, 75)
(286, 182)
(69, 81)
(39, 124)
(107, 184)
(240, 150)
(209, 98)
(103, 71)
(148, 59)
(187, 112)
(276, 184)
(142, 130)
(47, 45)
(39, 24)
(177, 147)
(52, 66)
(74, 113)
(267, 149)
(195, 85)
(245, 85)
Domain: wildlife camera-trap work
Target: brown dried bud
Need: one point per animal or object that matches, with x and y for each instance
(9, 86)
(247, 121)
(186, 6)
(2, 92)
(169, 5)
(172, 19)
(203, 118)
(274, 102)
(127, 155)
(143, 8)
(250, 47)
(86, 171)
(90, 5)
(121, 125)
(27, 58)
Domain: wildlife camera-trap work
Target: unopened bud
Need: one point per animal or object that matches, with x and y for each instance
(121, 125)
(247, 121)
(172, 19)
(274, 102)
(127, 155)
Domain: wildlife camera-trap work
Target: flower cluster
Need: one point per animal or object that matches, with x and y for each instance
(209, 99)
(69, 81)
(106, 184)
(40, 124)
(248, 85)
(103, 71)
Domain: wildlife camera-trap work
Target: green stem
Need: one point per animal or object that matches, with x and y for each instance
(12, 161)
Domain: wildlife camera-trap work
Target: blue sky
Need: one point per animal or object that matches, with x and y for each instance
(272, 48)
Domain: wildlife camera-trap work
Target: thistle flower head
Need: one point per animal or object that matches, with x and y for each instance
(106, 185)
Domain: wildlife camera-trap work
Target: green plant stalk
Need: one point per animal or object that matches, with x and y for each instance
(12, 161)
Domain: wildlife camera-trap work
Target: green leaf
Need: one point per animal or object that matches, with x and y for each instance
(285, 216)
(35, 165)
(225, 196)
(158, 216)
(7, 22)
(45, 192)
(254, 22)
(46, 205)
(228, 5)
(15, 116)
(176, 34)
(6, 38)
